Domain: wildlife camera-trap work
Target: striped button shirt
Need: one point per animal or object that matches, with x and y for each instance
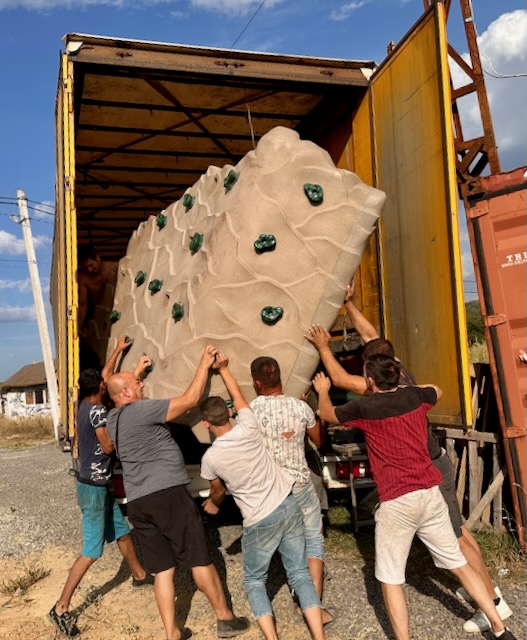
(395, 427)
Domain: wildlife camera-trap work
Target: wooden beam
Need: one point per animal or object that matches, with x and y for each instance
(460, 492)
(459, 434)
(474, 490)
(487, 498)
(497, 503)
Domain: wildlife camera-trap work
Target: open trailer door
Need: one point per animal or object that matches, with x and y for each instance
(419, 247)
(64, 298)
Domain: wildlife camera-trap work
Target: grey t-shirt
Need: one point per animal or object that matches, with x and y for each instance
(150, 458)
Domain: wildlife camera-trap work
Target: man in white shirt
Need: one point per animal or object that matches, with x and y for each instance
(272, 519)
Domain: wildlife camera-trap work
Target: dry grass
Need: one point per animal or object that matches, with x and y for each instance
(478, 352)
(501, 552)
(19, 585)
(18, 433)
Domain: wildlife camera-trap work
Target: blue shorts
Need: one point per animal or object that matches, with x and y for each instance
(102, 519)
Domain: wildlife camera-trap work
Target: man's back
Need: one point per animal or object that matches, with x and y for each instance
(94, 464)
(395, 427)
(283, 423)
(241, 460)
(151, 460)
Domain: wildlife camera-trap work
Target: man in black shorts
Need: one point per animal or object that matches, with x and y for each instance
(162, 511)
(320, 338)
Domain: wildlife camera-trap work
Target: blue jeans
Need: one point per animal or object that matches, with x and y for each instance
(309, 504)
(283, 529)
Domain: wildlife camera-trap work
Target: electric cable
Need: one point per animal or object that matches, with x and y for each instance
(248, 23)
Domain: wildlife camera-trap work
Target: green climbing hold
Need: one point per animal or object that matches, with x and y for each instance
(265, 242)
(271, 315)
(230, 179)
(140, 278)
(129, 340)
(195, 243)
(161, 220)
(114, 316)
(149, 369)
(155, 285)
(314, 193)
(188, 201)
(178, 311)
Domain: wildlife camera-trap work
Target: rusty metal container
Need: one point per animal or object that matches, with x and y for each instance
(497, 226)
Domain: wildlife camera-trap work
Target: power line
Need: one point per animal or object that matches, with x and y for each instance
(493, 73)
(248, 23)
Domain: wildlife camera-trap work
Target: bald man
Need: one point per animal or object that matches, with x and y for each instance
(162, 511)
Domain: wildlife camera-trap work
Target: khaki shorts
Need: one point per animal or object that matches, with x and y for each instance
(423, 513)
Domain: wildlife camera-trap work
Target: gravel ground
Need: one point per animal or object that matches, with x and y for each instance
(40, 523)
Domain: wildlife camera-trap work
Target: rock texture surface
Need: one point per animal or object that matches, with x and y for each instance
(214, 283)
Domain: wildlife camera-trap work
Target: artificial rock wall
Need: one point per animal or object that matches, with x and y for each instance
(246, 260)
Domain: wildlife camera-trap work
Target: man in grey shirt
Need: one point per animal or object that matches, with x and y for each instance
(162, 511)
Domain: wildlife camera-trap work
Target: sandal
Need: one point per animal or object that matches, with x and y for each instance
(65, 622)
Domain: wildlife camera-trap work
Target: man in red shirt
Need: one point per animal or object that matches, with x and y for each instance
(394, 423)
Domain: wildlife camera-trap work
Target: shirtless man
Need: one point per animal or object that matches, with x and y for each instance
(93, 274)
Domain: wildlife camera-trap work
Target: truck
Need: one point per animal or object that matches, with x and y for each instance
(138, 122)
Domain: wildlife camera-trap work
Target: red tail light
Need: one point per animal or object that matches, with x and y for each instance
(361, 469)
(343, 470)
(118, 487)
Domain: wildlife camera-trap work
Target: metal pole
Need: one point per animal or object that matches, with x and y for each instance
(40, 312)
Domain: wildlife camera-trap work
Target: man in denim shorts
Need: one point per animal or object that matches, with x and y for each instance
(167, 522)
(102, 519)
(394, 423)
(284, 422)
(272, 519)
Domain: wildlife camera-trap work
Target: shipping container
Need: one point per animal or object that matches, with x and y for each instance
(498, 235)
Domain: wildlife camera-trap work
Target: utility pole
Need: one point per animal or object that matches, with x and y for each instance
(49, 366)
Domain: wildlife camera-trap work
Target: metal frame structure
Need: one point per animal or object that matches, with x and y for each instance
(475, 155)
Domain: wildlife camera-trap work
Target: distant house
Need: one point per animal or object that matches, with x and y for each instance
(25, 393)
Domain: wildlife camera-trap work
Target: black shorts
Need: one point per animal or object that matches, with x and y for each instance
(169, 529)
(448, 489)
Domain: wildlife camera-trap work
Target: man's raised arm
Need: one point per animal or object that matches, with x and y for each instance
(190, 398)
(320, 337)
(222, 366)
(322, 385)
(109, 368)
(364, 327)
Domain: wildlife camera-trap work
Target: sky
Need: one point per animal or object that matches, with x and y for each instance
(31, 40)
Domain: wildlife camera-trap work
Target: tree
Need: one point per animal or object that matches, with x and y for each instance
(475, 328)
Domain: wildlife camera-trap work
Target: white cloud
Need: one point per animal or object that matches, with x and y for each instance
(233, 7)
(44, 209)
(23, 286)
(17, 314)
(345, 10)
(12, 246)
(179, 15)
(503, 50)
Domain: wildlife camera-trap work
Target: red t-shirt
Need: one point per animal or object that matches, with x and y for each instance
(395, 428)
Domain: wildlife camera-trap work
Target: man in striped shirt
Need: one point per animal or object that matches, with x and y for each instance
(394, 423)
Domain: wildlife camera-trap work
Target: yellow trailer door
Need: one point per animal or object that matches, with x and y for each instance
(420, 256)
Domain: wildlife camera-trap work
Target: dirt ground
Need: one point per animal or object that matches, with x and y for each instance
(40, 526)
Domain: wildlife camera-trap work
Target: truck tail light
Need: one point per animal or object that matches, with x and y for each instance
(117, 487)
(361, 469)
(343, 469)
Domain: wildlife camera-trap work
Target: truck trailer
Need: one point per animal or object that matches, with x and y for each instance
(138, 122)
